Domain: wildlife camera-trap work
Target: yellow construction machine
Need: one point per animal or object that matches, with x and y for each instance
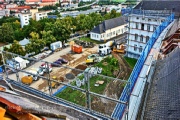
(120, 48)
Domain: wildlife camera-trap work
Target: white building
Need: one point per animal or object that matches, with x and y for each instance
(142, 24)
(24, 18)
(41, 15)
(4, 12)
(109, 29)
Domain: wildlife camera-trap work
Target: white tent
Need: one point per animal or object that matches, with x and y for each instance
(21, 62)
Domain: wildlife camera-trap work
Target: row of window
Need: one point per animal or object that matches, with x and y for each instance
(136, 48)
(141, 38)
(95, 36)
(149, 19)
(114, 32)
(142, 27)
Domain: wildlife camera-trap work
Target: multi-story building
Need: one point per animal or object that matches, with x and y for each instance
(24, 18)
(109, 29)
(143, 22)
(41, 15)
(4, 12)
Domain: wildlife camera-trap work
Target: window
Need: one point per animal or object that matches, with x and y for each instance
(114, 33)
(136, 37)
(147, 39)
(142, 26)
(143, 18)
(149, 19)
(137, 18)
(140, 49)
(154, 28)
(148, 27)
(141, 38)
(137, 25)
(135, 47)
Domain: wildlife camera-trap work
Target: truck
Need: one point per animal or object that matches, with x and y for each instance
(17, 63)
(56, 46)
(105, 49)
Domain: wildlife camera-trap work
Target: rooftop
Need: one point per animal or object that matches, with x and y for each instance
(109, 24)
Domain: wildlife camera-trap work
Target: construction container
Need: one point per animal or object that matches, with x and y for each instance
(27, 80)
(76, 48)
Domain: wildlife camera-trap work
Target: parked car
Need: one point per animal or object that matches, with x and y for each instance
(45, 68)
(40, 71)
(62, 60)
(56, 64)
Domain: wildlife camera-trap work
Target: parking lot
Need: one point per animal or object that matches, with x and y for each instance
(60, 72)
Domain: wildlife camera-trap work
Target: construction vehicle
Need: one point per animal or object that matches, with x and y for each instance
(55, 84)
(27, 79)
(120, 48)
(75, 48)
(105, 49)
(94, 58)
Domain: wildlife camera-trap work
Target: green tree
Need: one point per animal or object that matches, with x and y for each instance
(47, 37)
(6, 33)
(36, 44)
(16, 48)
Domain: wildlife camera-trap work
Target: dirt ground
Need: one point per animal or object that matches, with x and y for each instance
(74, 61)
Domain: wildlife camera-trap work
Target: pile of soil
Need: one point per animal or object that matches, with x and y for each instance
(80, 67)
(68, 57)
(44, 84)
(69, 76)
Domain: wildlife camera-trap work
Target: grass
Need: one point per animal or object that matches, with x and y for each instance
(131, 61)
(90, 40)
(78, 97)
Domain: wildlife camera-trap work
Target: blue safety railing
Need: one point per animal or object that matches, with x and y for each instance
(60, 90)
(119, 109)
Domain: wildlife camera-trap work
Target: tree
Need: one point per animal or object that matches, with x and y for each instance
(16, 48)
(47, 37)
(36, 44)
(62, 29)
(6, 32)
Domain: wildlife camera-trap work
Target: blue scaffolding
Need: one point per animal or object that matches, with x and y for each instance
(119, 109)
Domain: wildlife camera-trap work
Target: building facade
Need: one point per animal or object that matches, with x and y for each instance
(41, 15)
(109, 29)
(24, 18)
(140, 29)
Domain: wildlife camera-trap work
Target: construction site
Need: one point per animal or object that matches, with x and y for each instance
(88, 81)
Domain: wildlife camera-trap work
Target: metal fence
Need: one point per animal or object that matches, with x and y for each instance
(81, 82)
(119, 109)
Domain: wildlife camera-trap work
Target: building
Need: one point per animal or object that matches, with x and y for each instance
(109, 29)
(142, 23)
(41, 15)
(4, 12)
(33, 13)
(24, 18)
